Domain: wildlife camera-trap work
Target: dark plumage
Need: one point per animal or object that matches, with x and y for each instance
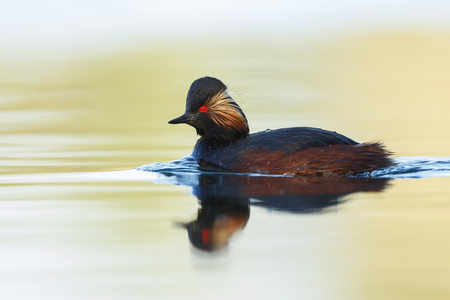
(302, 151)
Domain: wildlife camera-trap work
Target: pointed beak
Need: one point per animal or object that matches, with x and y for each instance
(181, 225)
(185, 118)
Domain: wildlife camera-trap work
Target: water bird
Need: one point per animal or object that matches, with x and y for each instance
(225, 141)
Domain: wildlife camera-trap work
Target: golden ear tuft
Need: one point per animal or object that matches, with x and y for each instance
(225, 112)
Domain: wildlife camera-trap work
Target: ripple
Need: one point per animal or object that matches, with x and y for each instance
(186, 164)
(406, 167)
(416, 167)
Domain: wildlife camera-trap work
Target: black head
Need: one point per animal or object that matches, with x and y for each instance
(212, 112)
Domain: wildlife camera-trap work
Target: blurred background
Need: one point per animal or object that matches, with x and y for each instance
(107, 75)
(88, 86)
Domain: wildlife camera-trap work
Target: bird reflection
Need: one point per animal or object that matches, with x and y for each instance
(225, 201)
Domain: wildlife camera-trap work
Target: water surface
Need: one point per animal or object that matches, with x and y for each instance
(79, 221)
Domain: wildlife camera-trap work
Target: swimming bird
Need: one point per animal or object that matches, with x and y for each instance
(226, 144)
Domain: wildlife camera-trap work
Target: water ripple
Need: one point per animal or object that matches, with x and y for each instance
(416, 167)
(406, 167)
(186, 164)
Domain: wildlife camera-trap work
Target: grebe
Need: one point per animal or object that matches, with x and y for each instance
(225, 141)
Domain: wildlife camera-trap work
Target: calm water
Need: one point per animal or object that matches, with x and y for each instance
(79, 221)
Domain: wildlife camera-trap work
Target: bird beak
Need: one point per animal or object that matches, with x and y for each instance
(181, 225)
(185, 118)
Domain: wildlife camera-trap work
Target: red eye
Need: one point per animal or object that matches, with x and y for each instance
(205, 235)
(203, 109)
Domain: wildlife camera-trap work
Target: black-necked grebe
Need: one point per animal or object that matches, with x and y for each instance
(225, 141)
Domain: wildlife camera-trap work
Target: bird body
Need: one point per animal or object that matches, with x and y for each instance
(225, 141)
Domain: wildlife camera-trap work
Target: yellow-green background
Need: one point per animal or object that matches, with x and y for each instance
(85, 112)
